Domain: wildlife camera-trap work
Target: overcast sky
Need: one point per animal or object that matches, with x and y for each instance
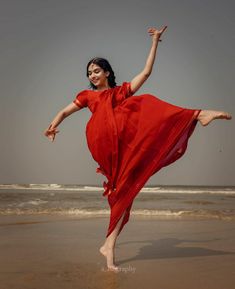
(45, 47)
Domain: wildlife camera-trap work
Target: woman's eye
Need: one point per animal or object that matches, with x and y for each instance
(96, 71)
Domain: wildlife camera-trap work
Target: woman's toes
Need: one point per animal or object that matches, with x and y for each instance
(223, 115)
(113, 268)
(228, 116)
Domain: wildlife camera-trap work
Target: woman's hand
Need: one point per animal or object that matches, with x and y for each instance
(156, 34)
(51, 132)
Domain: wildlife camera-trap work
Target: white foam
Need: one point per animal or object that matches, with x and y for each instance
(104, 212)
(159, 190)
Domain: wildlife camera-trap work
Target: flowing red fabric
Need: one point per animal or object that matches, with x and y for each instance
(131, 138)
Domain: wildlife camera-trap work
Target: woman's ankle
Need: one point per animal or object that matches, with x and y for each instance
(109, 246)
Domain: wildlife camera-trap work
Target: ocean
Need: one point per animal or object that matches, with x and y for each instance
(156, 201)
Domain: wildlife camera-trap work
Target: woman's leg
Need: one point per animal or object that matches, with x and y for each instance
(108, 248)
(206, 116)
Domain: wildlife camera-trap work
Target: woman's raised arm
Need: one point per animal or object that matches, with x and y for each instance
(139, 79)
(51, 131)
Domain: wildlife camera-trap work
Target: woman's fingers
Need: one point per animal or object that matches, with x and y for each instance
(51, 133)
(154, 32)
(50, 137)
(53, 130)
(163, 29)
(56, 131)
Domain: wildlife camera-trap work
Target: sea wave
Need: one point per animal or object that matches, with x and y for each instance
(207, 214)
(157, 189)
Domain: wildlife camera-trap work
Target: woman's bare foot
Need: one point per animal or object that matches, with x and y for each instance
(206, 116)
(109, 255)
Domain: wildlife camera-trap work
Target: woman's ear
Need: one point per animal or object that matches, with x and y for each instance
(107, 73)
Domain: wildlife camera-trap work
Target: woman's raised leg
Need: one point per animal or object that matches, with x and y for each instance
(206, 116)
(108, 248)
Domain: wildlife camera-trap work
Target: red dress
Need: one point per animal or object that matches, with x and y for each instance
(131, 138)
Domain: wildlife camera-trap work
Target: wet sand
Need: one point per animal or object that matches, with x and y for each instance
(43, 251)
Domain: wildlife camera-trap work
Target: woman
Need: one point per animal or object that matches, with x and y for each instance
(130, 137)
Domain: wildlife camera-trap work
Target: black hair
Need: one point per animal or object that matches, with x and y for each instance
(104, 64)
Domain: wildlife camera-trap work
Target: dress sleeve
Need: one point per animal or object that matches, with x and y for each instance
(81, 99)
(125, 89)
(122, 92)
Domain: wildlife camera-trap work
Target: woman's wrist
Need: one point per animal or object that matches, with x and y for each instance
(57, 120)
(156, 39)
(51, 127)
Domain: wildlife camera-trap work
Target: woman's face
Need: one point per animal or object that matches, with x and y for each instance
(97, 75)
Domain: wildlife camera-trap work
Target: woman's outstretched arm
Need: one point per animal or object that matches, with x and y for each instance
(139, 79)
(51, 131)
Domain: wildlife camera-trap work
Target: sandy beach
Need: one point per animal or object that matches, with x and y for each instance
(62, 252)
